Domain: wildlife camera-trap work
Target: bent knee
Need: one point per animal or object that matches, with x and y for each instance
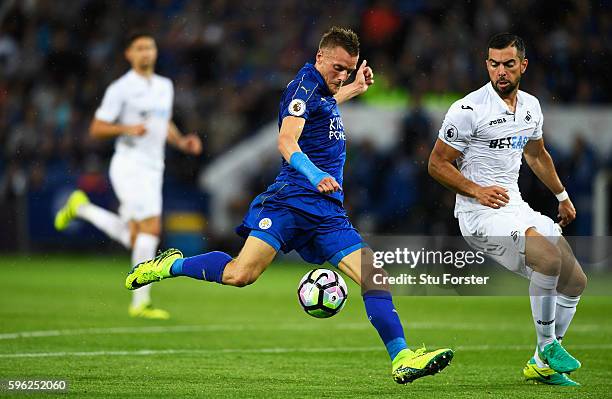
(242, 280)
(241, 276)
(152, 229)
(573, 284)
(577, 283)
(147, 228)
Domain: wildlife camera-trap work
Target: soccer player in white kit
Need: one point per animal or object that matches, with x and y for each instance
(487, 133)
(137, 109)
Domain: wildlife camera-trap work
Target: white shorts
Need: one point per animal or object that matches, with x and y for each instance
(138, 188)
(500, 233)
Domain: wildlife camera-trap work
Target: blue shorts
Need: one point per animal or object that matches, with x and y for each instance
(289, 217)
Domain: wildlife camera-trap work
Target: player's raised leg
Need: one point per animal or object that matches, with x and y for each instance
(79, 206)
(406, 365)
(216, 266)
(253, 259)
(545, 259)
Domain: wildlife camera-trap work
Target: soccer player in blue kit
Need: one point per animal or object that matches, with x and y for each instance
(302, 210)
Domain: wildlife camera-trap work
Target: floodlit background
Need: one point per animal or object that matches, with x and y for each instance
(230, 62)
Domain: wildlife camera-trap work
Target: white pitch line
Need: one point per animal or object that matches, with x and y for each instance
(170, 329)
(448, 326)
(111, 330)
(154, 352)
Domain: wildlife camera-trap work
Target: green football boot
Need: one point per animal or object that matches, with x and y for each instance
(64, 216)
(152, 270)
(408, 365)
(546, 375)
(147, 311)
(558, 358)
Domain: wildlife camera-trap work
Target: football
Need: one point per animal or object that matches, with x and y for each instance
(322, 293)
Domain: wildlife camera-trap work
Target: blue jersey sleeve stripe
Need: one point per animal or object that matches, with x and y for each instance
(298, 86)
(313, 91)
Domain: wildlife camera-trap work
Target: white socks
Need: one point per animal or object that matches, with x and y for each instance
(145, 246)
(566, 308)
(107, 222)
(543, 295)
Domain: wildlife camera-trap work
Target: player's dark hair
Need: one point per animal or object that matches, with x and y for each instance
(341, 37)
(503, 40)
(132, 37)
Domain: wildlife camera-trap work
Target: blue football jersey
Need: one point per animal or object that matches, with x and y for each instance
(323, 138)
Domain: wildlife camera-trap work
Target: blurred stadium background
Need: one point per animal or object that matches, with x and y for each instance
(231, 60)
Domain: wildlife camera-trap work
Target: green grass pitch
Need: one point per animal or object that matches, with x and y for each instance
(66, 318)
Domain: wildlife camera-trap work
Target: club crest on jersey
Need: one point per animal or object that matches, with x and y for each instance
(450, 132)
(297, 107)
(528, 117)
(265, 223)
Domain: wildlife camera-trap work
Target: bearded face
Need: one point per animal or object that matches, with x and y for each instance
(505, 69)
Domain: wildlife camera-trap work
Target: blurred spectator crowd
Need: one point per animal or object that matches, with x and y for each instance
(230, 60)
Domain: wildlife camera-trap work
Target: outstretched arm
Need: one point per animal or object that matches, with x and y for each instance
(103, 124)
(189, 143)
(442, 169)
(363, 80)
(290, 132)
(103, 130)
(541, 163)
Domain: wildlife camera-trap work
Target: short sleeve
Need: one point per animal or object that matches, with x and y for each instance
(538, 132)
(171, 87)
(302, 98)
(111, 105)
(458, 125)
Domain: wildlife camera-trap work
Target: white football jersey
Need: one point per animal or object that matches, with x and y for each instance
(133, 99)
(491, 140)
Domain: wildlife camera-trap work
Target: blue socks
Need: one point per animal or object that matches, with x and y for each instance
(382, 315)
(207, 267)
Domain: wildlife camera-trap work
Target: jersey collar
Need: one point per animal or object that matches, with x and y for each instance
(137, 77)
(500, 102)
(319, 78)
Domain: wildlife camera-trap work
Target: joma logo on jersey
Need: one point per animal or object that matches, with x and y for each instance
(497, 121)
(514, 142)
(336, 128)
